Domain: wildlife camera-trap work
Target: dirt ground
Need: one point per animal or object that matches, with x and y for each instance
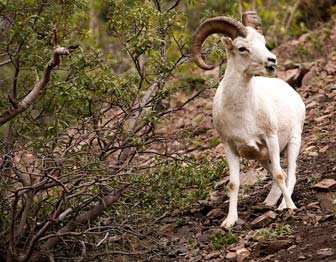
(186, 234)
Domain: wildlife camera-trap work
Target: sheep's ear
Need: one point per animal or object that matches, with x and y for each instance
(227, 42)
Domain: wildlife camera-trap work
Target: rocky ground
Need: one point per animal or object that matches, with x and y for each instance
(307, 234)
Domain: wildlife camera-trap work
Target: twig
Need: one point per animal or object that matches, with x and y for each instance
(104, 238)
(5, 62)
(39, 88)
(290, 18)
(82, 219)
(173, 5)
(131, 126)
(158, 6)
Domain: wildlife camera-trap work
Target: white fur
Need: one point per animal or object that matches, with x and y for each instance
(256, 118)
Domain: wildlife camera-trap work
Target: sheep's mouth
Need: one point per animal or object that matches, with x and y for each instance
(270, 69)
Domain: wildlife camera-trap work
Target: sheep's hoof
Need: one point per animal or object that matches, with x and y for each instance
(283, 206)
(229, 222)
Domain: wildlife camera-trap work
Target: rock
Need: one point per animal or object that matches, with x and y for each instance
(282, 253)
(292, 247)
(263, 220)
(321, 118)
(178, 252)
(212, 255)
(325, 184)
(311, 105)
(309, 148)
(252, 177)
(167, 220)
(301, 257)
(313, 205)
(324, 149)
(184, 232)
(216, 213)
(214, 196)
(231, 256)
(326, 218)
(318, 218)
(197, 259)
(294, 74)
(313, 154)
(167, 230)
(242, 254)
(330, 67)
(326, 200)
(268, 258)
(203, 239)
(278, 244)
(288, 75)
(260, 207)
(325, 252)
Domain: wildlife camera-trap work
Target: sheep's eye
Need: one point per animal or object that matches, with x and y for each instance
(242, 49)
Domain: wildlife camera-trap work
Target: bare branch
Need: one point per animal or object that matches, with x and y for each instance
(5, 62)
(102, 240)
(39, 88)
(56, 43)
(83, 219)
(173, 5)
(131, 126)
(158, 6)
(290, 18)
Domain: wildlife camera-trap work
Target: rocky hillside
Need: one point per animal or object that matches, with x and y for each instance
(308, 234)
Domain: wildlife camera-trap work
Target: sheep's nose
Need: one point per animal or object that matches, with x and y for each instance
(272, 60)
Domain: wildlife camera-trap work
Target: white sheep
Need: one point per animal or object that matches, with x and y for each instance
(256, 117)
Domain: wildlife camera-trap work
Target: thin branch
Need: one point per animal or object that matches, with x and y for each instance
(158, 6)
(102, 240)
(131, 126)
(173, 5)
(39, 88)
(83, 219)
(289, 21)
(5, 62)
(38, 235)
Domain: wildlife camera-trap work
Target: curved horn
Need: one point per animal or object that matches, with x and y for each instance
(219, 24)
(250, 18)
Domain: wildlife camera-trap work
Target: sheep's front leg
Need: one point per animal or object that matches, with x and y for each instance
(233, 186)
(278, 174)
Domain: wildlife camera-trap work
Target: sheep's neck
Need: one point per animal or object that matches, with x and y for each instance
(237, 90)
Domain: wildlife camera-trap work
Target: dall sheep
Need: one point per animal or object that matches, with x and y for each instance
(256, 117)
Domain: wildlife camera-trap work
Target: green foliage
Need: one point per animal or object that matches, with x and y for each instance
(145, 32)
(312, 180)
(30, 40)
(275, 231)
(174, 184)
(220, 239)
(193, 246)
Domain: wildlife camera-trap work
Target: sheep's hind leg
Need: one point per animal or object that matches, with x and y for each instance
(278, 174)
(233, 186)
(275, 192)
(293, 149)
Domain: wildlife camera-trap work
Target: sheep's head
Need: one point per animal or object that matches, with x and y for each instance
(244, 43)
